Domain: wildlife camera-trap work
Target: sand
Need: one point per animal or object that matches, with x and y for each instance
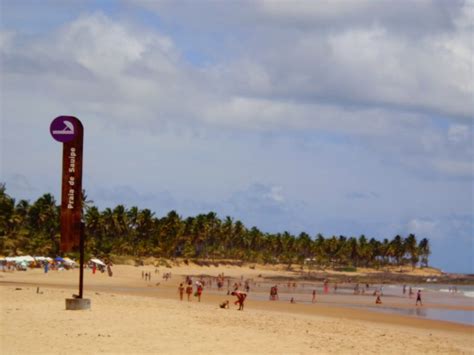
(133, 316)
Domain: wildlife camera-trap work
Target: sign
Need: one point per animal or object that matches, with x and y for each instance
(70, 132)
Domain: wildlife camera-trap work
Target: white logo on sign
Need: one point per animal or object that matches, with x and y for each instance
(69, 129)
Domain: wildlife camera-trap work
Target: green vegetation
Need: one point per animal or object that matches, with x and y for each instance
(34, 229)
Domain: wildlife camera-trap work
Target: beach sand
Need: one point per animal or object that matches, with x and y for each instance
(133, 316)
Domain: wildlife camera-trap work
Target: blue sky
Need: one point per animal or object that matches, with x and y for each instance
(351, 117)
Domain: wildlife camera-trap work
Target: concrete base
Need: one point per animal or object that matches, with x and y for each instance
(76, 304)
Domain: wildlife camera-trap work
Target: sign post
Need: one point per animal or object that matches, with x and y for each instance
(69, 131)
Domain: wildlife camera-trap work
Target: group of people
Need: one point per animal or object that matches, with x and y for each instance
(189, 289)
(240, 290)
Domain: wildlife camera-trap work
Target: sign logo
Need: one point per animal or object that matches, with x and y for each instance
(62, 129)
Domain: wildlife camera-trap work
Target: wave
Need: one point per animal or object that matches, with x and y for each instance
(469, 294)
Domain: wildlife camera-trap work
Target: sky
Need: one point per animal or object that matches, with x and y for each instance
(333, 117)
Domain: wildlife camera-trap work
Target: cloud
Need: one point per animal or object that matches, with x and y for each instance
(422, 226)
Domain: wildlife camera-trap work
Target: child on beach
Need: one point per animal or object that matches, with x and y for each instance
(181, 291)
(224, 304)
(378, 300)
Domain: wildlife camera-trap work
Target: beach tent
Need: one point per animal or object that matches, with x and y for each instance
(98, 262)
(58, 258)
(68, 261)
(20, 259)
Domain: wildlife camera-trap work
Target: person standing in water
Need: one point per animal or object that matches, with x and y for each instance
(418, 298)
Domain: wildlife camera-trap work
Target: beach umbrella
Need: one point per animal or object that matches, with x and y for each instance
(97, 261)
(58, 258)
(69, 261)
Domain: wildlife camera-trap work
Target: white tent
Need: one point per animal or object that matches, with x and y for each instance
(20, 259)
(68, 261)
(98, 262)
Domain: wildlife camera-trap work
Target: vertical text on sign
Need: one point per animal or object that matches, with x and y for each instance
(71, 180)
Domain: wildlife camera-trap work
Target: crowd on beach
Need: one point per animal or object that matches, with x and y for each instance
(193, 286)
(241, 288)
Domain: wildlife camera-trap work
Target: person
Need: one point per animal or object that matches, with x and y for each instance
(224, 304)
(189, 290)
(314, 296)
(181, 291)
(109, 269)
(292, 300)
(378, 300)
(273, 293)
(46, 267)
(404, 289)
(418, 298)
(94, 268)
(199, 291)
(410, 292)
(241, 296)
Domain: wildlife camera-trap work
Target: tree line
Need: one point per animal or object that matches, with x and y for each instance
(33, 228)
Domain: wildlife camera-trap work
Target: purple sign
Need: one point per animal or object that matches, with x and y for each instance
(63, 128)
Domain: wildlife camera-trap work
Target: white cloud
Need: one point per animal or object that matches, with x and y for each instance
(366, 82)
(421, 226)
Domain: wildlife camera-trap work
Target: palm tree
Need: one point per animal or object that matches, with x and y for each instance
(44, 221)
(411, 249)
(424, 251)
(397, 249)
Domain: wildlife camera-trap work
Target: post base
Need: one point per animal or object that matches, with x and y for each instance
(77, 304)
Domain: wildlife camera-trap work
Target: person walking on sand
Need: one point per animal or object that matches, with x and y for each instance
(314, 296)
(181, 291)
(189, 290)
(418, 298)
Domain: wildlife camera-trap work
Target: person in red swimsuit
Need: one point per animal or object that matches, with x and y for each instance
(241, 296)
